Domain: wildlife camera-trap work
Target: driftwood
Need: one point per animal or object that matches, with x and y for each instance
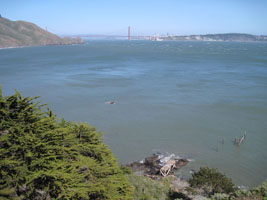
(239, 141)
(165, 170)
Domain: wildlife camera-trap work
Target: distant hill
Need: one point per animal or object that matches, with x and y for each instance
(234, 37)
(21, 33)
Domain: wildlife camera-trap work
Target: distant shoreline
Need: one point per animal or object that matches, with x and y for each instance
(224, 37)
(15, 47)
(2, 48)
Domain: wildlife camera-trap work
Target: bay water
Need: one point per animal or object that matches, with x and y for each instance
(187, 98)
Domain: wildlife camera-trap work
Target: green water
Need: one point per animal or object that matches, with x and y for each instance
(176, 97)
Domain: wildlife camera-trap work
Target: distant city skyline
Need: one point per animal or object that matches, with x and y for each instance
(112, 17)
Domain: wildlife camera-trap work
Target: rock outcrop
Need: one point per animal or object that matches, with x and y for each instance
(151, 166)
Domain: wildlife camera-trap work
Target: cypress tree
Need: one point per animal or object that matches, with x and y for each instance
(42, 158)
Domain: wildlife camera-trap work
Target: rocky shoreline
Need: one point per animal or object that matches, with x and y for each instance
(151, 165)
(178, 188)
(17, 47)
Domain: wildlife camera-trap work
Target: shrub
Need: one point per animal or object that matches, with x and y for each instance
(41, 158)
(219, 196)
(212, 181)
(148, 189)
(257, 193)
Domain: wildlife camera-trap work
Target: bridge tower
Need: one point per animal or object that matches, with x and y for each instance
(129, 33)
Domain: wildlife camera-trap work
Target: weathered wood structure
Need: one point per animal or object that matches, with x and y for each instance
(165, 170)
(239, 141)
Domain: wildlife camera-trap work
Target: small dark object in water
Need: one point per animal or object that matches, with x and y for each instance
(110, 102)
(239, 141)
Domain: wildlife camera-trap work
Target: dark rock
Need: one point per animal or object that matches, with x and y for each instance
(181, 162)
(152, 165)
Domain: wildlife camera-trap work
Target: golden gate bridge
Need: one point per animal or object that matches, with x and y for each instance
(112, 35)
(129, 36)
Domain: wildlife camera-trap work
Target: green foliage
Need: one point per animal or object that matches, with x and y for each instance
(147, 189)
(220, 196)
(41, 158)
(126, 170)
(212, 181)
(257, 193)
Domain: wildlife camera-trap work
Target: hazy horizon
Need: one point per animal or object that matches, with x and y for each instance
(145, 18)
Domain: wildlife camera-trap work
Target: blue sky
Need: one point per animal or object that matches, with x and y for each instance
(145, 17)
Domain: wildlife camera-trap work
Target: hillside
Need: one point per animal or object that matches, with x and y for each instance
(231, 37)
(21, 33)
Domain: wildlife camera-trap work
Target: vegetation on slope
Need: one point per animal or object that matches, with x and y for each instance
(207, 184)
(212, 181)
(21, 33)
(148, 189)
(256, 193)
(41, 158)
